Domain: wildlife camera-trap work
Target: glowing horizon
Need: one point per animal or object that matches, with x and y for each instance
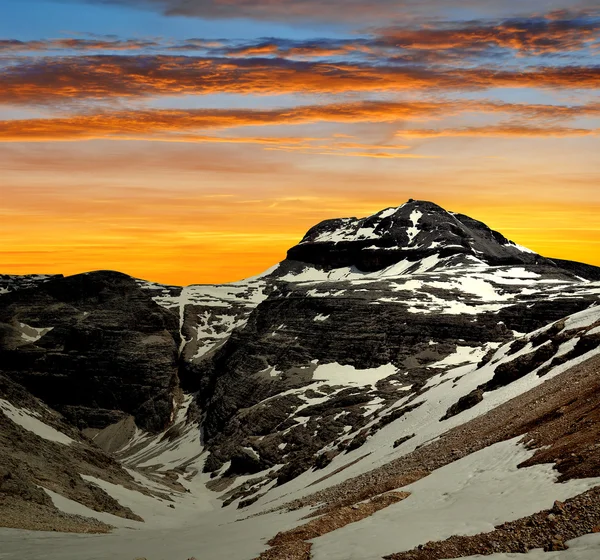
(195, 142)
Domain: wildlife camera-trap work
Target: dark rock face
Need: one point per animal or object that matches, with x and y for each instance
(586, 271)
(94, 347)
(464, 403)
(29, 461)
(13, 282)
(413, 231)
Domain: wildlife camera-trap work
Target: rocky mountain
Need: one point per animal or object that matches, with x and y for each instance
(414, 231)
(381, 351)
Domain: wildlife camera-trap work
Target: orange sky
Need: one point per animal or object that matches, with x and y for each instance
(199, 226)
(203, 160)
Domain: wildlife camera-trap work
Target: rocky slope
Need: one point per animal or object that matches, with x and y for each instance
(44, 455)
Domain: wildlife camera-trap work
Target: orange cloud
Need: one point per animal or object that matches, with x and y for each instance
(51, 79)
(502, 130)
(176, 125)
(527, 35)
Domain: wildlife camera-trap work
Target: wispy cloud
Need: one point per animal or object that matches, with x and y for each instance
(502, 131)
(332, 10)
(75, 44)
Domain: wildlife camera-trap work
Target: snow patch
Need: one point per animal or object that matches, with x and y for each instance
(321, 318)
(583, 319)
(336, 374)
(33, 334)
(470, 496)
(412, 231)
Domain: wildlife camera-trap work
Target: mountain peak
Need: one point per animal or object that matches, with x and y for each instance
(417, 229)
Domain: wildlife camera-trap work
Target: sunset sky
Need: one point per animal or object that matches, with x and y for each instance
(195, 141)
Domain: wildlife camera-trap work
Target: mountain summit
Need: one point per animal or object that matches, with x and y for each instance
(416, 230)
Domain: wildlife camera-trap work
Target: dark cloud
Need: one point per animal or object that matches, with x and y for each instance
(75, 44)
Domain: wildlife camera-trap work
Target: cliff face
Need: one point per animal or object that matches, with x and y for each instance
(94, 347)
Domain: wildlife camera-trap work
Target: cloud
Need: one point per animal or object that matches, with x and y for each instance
(110, 44)
(182, 125)
(500, 131)
(548, 34)
(336, 11)
(75, 44)
(287, 48)
(51, 79)
(555, 33)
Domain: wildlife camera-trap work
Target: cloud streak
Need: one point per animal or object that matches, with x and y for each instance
(331, 11)
(549, 34)
(74, 44)
(177, 125)
(552, 34)
(52, 79)
(501, 131)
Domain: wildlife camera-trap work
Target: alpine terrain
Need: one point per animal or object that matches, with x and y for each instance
(410, 386)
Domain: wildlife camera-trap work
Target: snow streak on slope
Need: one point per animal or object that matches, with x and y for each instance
(425, 287)
(30, 421)
(440, 393)
(33, 334)
(177, 448)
